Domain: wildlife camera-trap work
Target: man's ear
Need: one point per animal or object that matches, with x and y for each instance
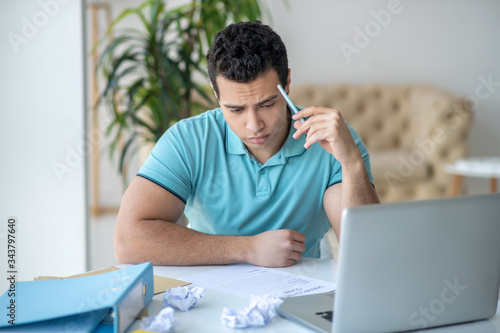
(288, 81)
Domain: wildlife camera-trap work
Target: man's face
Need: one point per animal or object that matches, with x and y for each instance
(256, 112)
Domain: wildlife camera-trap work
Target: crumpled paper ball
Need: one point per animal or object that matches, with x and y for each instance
(163, 322)
(182, 298)
(261, 309)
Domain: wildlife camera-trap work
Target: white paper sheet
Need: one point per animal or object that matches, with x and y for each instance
(245, 280)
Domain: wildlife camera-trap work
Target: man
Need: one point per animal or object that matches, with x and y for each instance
(256, 185)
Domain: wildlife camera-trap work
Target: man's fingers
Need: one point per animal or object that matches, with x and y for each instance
(296, 256)
(311, 110)
(318, 135)
(301, 128)
(298, 247)
(299, 237)
(297, 124)
(306, 112)
(309, 123)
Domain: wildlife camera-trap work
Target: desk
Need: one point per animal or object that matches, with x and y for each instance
(204, 317)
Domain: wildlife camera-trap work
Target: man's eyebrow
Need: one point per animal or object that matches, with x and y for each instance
(232, 106)
(267, 100)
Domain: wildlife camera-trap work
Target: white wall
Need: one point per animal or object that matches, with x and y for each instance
(42, 126)
(452, 44)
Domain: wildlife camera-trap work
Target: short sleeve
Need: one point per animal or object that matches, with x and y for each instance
(168, 165)
(336, 175)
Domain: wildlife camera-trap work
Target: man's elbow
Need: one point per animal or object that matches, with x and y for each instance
(121, 255)
(124, 249)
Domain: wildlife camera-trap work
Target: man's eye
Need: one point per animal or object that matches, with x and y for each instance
(268, 105)
(236, 110)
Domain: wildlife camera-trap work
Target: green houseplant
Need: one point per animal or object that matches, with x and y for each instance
(148, 72)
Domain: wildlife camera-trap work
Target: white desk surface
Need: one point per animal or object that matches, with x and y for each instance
(204, 317)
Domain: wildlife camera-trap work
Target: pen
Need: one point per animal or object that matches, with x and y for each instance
(289, 102)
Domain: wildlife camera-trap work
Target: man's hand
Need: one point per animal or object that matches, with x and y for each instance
(327, 127)
(276, 248)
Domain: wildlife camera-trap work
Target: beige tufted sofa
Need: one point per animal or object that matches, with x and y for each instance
(411, 132)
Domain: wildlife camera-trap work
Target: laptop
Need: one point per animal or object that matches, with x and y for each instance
(410, 265)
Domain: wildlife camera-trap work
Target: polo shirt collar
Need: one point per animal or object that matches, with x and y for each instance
(292, 147)
(234, 145)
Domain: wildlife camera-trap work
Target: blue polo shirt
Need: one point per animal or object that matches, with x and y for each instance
(228, 192)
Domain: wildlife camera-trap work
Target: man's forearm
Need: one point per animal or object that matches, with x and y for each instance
(165, 243)
(357, 188)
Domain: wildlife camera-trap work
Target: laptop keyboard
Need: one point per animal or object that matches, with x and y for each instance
(328, 315)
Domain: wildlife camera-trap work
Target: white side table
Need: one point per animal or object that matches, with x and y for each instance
(487, 167)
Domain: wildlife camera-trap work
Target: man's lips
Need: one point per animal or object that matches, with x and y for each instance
(258, 139)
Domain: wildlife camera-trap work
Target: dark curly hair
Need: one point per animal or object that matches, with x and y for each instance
(243, 51)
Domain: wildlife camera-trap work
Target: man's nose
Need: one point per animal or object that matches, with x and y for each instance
(254, 123)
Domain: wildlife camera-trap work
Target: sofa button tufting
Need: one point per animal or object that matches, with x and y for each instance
(361, 108)
(396, 106)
